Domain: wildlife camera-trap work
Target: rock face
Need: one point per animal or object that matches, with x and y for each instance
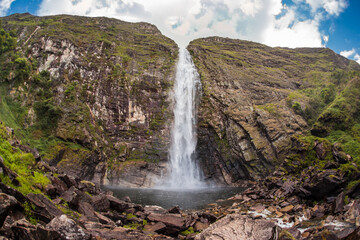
(238, 227)
(97, 90)
(254, 99)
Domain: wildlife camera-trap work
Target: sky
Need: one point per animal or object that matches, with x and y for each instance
(286, 23)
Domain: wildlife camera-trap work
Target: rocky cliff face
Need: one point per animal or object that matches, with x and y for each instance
(255, 98)
(94, 95)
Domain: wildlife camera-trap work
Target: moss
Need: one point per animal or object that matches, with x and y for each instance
(188, 231)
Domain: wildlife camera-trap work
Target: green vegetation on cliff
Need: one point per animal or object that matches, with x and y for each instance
(80, 89)
(261, 97)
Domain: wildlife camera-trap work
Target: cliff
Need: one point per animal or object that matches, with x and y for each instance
(257, 100)
(90, 94)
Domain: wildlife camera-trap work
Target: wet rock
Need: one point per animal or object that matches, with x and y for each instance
(175, 209)
(238, 227)
(44, 208)
(67, 228)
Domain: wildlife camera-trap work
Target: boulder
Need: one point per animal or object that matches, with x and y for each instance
(238, 227)
(12, 192)
(22, 229)
(118, 205)
(323, 183)
(60, 186)
(44, 208)
(154, 227)
(154, 209)
(68, 180)
(7, 203)
(86, 209)
(67, 228)
(175, 209)
(100, 203)
(90, 187)
(174, 223)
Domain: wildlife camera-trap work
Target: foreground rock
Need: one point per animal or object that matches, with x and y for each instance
(238, 227)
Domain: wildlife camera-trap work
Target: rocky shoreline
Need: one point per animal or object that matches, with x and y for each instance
(76, 209)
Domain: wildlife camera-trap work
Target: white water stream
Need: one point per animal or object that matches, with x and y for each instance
(183, 171)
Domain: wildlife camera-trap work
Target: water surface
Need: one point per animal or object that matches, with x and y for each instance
(185, 199)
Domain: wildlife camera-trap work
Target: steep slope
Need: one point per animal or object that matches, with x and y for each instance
(256, 98)
(91, 94)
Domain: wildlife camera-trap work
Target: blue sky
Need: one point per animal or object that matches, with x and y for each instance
(286, 23)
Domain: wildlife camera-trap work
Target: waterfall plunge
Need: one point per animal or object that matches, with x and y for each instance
(183, 171)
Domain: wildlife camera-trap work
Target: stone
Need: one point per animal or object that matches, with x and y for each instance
(175, 210)
(90, 187)
(199, 226)
(346, 233)
(100, 203)
(44, 208)
(155, 227)
(118, 205)
(168, 219)
(287, 209)
(86, 209)
(154, 209)
(238, 227)
(7, 203)
(22, 229)
(258, 208)
(68, 180)
(339, 203)
(104, 220)
(354, 211)
(68, 229)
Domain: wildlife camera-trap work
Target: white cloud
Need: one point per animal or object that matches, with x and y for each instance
(357, 58)
(333, 7)
(347, 53)
(256, 20)
(4, 6)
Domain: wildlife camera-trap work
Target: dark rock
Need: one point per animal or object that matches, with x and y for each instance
(89, 187)
(210, 217)
(68, 180)
(44, 208)
(236, 226)
(60, 186)
(339, 203)
(73, 196)
(346, 233)
(354, 191)
(294, 232)
(68, 229)
(339, 155)
(332, 165)
(168, 219)
(104, 220)
(86, 209)
(175, 209)
(51, 191)
(118, 205)
(7, 204)
(126, 199)
(8, 172)
(323, 183)
(100, 203)
(22, 229)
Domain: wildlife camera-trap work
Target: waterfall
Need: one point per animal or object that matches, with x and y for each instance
(183, 171)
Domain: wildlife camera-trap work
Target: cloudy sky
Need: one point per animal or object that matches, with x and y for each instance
(285, 23)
